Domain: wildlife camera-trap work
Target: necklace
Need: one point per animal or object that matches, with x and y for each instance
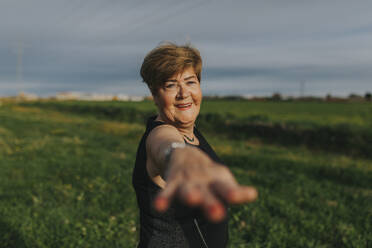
(191, 140)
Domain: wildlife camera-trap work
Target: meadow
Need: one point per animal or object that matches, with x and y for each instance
(65, 172)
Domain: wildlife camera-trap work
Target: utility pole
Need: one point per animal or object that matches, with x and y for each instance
(19, 69)
(302, 88)
(20, 62)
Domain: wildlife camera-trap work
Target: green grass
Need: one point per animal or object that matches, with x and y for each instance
(65, 177)
(304, 113)
(65, 180)
(335, 127)
(313, 113)
(306, 199)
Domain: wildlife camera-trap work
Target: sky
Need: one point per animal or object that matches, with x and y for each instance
(249, 47)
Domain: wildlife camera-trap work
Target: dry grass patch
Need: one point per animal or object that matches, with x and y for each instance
(119, 128)
(224, 149)
(22, 109)
(47, 115)
(54, 116)
(120, 155)
(72, 140)
(5, 148)
(4, 131)
(302, 155)
(349, 162)
(16, 146)
(37, 144)
(253, 143)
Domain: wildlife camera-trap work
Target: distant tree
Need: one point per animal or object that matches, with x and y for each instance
(328, 97)
(353, 95)
(276, 96)
(368, 96)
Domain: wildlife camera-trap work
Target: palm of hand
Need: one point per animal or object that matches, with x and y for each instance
(198, 181)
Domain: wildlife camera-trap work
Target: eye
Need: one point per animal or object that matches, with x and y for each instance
(191, 82)
(170, 85)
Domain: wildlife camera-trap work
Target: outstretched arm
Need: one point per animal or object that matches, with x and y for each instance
(192, 176)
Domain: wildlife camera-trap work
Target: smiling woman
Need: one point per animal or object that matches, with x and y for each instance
(174, 161)
(179, 99)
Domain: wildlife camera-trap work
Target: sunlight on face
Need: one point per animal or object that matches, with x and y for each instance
(179, 99)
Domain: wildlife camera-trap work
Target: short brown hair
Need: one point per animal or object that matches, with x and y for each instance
(167, 59)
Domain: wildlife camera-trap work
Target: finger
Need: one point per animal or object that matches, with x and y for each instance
(190, 194)
(213, 209)
(242, 194)
(233, 193)
(162, 200)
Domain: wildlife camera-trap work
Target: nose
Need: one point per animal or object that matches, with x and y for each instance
(183, 91)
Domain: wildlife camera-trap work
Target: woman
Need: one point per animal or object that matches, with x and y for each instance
(175, 162)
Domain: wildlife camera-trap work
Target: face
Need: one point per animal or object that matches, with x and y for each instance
(179, 99)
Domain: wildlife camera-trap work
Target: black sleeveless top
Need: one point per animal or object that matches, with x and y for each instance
(180, 226)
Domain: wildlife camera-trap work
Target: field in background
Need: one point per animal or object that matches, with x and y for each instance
(65, 172)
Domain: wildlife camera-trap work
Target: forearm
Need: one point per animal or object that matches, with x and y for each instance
(168, 152)
(163, 154)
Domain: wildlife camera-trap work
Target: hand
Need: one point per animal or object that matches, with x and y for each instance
(198, 181)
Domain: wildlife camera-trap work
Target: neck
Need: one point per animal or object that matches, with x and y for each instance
(189, 133)
(184, 129)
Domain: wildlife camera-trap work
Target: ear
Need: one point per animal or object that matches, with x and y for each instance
(155, 98)
(153, 94)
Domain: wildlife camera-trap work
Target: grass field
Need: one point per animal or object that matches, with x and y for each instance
(65, 172)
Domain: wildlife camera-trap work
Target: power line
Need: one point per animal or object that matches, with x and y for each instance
(156, 18)
(107, 19)
(132, 25)
(75, 8)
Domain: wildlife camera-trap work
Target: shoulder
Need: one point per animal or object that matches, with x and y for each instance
(163, 132)
(156, 144)
(159, 137)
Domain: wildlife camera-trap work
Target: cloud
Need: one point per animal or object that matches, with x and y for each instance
(80, 45)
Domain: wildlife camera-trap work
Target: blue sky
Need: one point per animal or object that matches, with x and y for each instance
(248, 47)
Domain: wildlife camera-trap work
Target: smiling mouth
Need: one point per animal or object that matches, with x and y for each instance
(183, 106)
